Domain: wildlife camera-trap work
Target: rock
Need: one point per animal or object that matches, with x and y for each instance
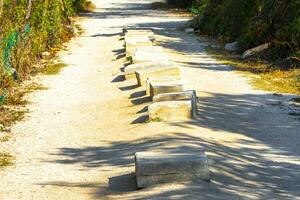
(231, 46)
(158, 79)
(171, 110)
(161, 70)
(256, 50)
(160, 167)
(189, 30)
(165, 87)
(46, 54)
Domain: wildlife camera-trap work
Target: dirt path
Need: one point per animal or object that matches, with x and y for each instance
(80, 136)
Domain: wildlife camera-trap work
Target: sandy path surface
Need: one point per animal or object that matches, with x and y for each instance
(79, 138)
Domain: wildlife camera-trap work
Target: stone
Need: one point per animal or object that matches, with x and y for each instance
(161, 70)
(231, 46)
(130, 70)
(255, 50)
(189, 30)
(158, 79)
(159, 167)
(165, 87)
(142, 56)
(171, 110)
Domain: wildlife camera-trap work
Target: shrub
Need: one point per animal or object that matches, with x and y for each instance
(29, 29)
(253, 22)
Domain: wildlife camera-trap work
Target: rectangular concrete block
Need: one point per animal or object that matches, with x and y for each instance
(173, 96)
(131, 48)
(157, 88)
(171, 110)
(136, 29)
(130, 70)
(145, 50)
(146, 56)
(133, 41)
(166, 69)
(159, 167)
(158, 79)
(179, 96)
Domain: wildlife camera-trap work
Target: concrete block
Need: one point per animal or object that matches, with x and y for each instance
(144, 50)
(130, 70)
(136, 29)
(179, 96)
(162, 70)
(171, 110)
(132, 41)
(173, 96)
(165, 87)
(131, 48)
(160, 167)
(146, 56)
(158, 79)
(150, 35)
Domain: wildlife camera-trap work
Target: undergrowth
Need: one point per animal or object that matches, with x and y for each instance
(6, 159)
(263, 75)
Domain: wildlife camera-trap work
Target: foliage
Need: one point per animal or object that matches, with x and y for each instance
(23, 39)
(252, 23)
(180, 3)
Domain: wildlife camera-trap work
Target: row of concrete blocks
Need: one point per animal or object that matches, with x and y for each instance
(161, 79)
(151, 68)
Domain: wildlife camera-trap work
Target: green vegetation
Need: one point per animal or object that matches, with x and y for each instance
(263, 75)
(53, 68)
(252, 23)
(29, 28)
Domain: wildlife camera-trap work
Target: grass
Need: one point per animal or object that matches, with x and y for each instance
(5, 138)
(53, 68)
(264, 76)
(6, 159)
(157, 119)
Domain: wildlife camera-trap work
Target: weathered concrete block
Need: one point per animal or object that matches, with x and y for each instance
(132, 41)
(158, 79)
(136, 29)
(145, 50)
(156, 72)
(179, 96)
(131, 48)
(130, 70)
(146, 56)
(173, 96)
(171, 110)
(165, 87)
(150, 35)
(159, 167)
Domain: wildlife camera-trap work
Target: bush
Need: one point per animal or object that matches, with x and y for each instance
(253, 22)
(23, 39)
(180, 3)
